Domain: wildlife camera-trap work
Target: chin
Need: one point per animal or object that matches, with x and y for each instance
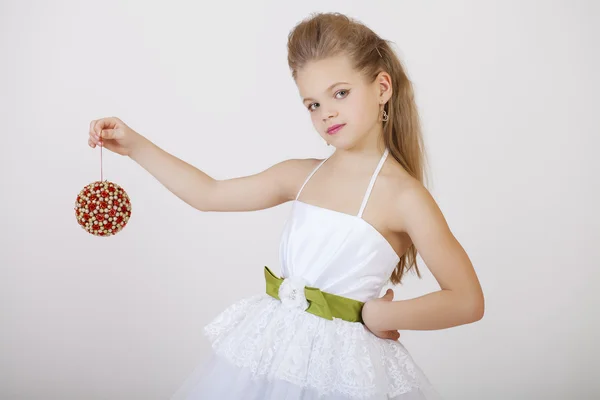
(343, 141)
(340, 141)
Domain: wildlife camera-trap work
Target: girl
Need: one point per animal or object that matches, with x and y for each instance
(358, 218)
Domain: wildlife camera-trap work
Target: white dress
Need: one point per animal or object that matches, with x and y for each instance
(264, 349)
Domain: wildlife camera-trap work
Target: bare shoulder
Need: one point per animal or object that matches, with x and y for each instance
(410, 203)
(268, 188)
(293, 172)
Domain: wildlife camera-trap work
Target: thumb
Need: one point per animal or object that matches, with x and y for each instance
(389, 295)
(111, 134)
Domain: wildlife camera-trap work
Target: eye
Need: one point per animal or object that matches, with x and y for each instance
(343, 91)
(311, 108)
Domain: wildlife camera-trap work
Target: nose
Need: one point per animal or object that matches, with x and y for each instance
(328, 113)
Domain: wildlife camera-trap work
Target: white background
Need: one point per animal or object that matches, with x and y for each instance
(508, 92)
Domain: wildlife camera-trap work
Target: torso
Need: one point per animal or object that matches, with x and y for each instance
(341, 190)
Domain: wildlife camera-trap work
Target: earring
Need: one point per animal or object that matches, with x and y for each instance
(385, 116)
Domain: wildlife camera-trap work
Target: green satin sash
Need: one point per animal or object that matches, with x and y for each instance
(322, 304)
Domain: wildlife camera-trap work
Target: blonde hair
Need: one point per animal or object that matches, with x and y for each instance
(324, 35)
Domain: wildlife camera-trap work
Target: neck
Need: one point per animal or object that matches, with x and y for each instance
(371, 146)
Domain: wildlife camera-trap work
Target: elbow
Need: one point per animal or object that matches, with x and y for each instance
(475, 308)
(477, 313)
(471, 307)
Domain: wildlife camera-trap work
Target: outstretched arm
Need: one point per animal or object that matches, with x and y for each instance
(266, 189)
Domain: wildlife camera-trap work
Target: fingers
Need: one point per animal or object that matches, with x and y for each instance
(389, 295)
(94, 139)
(109, 134)
(391, 335)
(104, 128)
(97, 126)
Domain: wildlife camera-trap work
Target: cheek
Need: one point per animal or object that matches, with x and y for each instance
(362, 110)
(314, 117)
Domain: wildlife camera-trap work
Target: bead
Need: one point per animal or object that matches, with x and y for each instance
(102, 208)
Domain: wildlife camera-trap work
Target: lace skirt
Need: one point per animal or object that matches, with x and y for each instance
(264, 351)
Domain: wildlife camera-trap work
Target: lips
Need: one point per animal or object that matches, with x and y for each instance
(335, 128)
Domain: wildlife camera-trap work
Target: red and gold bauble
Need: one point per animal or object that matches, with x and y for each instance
(102, 208)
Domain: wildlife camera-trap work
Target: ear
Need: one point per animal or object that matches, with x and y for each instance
(384, 86)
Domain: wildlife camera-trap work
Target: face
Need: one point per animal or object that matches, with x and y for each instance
(345, 108)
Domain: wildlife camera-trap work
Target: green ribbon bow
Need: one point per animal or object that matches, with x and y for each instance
(322, 304)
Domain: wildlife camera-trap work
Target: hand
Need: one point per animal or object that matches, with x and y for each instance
(371, 314)
(114, 135)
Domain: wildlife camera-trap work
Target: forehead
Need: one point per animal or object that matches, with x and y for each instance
(316, 76)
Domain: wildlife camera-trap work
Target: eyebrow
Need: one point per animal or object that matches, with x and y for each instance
(328, 89)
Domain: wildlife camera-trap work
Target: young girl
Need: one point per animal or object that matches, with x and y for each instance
(358, 217)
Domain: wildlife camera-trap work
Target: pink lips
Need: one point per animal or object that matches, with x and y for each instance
(335, 128)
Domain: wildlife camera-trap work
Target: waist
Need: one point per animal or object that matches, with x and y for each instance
(295, 294)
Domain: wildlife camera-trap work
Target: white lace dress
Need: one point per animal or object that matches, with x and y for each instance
(270, 349)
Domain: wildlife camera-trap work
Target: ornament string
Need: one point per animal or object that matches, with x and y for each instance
(101, 146)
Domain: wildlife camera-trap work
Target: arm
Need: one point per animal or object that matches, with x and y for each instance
(266, 189)
(460, 300)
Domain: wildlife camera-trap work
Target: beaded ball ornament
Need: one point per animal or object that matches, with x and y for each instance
(102, 208)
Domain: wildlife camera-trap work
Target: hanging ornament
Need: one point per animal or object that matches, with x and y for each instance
(102, 208)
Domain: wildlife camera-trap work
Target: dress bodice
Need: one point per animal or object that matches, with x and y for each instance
(337, 252)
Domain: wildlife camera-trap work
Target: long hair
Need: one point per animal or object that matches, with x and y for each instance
(324, 35)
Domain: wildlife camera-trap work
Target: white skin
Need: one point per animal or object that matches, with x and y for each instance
(408, 214)
(348, 98)
(357, 103)
(412, 216)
